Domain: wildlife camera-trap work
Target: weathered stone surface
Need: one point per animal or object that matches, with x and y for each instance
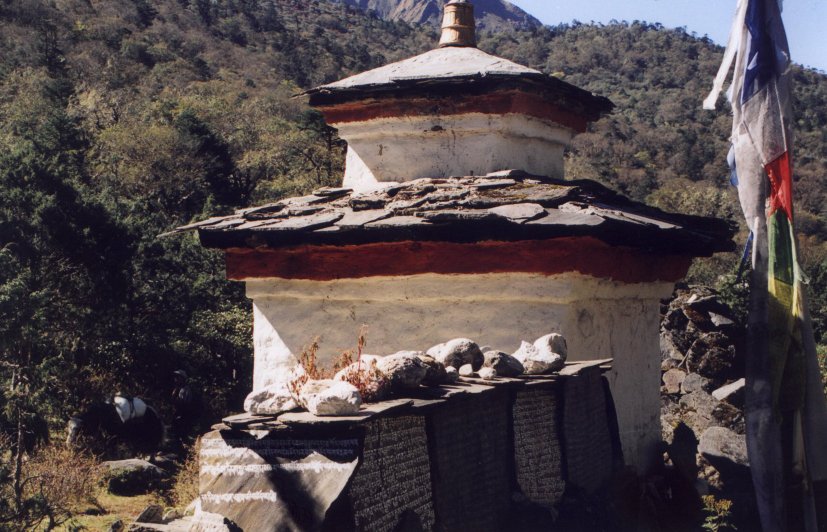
(519, 211)
(732, 393)
(694, 383)
(210, 522)
(724, 448)
(458, 352)
(504, 364)
(154, 513)
(720, 321)
(713, 356)
(672, 380)
(172, 514)
(451, 374)
(132, 476)
(698, 411)
(466, 370)
(330, 398)
(668, 349)
(487, 373)
(405, 370)
(546, 355)
(434, 371)
(272, 400)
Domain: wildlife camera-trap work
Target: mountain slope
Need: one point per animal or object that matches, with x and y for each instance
(490, 14)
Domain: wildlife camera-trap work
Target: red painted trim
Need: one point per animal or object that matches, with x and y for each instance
(582, 254)
(499, 103)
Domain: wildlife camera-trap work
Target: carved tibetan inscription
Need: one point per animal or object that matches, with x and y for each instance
(538, 456)
(393, 482)
(262, 482)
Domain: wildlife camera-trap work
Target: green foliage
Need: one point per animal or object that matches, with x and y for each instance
(821, 350)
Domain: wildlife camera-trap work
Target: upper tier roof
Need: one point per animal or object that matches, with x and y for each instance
(462, 69)
(505, 206)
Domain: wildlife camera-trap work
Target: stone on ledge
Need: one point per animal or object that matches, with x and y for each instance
(458, 352)
(272, 400)
(405, 370)
(451, 374)
(487, 373)
(328, 397)
(375, 385)
(504, 364)
(434, 371)
(467, 370)
(546, 355)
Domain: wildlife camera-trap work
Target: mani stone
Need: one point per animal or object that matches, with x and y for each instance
(673, 379)
(328, 397)
(457, 353)
(546, 355)
(405, 370)
(504, 364)
(451, 374)
(154, 513)
(467, 370)
(487, 374)
(434, 371)
(272, 400)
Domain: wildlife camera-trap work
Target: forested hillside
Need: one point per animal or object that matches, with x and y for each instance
(120, 119)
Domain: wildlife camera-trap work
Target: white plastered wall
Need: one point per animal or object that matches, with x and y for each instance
(384, 150)
(599, 318)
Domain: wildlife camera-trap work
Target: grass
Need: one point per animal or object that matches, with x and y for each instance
(115, 507)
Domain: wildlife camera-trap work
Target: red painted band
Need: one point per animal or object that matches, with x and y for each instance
(581, 254)
(499, 103)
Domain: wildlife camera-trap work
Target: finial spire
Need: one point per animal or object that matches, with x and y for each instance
(458, 27)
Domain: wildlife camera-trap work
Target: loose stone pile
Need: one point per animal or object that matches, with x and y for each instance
(702, 389)
(378, 377)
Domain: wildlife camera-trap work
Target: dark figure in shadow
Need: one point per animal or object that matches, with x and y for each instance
(186, 407)
(102, 428)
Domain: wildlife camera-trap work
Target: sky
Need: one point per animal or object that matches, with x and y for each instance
(803, 19)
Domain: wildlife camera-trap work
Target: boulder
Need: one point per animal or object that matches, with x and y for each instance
(272, 400)
(713, 356)
(457, 353)
(451, 374)
(724, 449)
(328, 397)
(672, 380)
(694, 383)
(405, 370)
(373, 383)
(546, 355)
(732, 393)
(504, 364)
(154, 513)
(132, 476)
(434, 371)
(487, 373)
(668, 348)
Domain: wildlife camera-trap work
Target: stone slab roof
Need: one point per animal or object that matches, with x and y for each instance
(503, 206)
(446, 67)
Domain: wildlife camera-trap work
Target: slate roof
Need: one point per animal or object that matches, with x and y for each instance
(503, 206)
(448, 67)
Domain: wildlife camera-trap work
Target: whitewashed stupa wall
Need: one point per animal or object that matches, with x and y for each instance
(411, 147)
(599, 318)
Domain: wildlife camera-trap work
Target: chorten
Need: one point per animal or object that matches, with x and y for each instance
(454, 220)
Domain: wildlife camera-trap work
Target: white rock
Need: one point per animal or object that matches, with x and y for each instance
(451, 374)
(458, 352)
(732, 393)
(466, 370)
(487, 373)
(272, 400)
(546, 355)
(330, 398)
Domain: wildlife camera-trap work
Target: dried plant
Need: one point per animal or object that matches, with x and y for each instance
(54, 481)
(373, 385)
(186, 488)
